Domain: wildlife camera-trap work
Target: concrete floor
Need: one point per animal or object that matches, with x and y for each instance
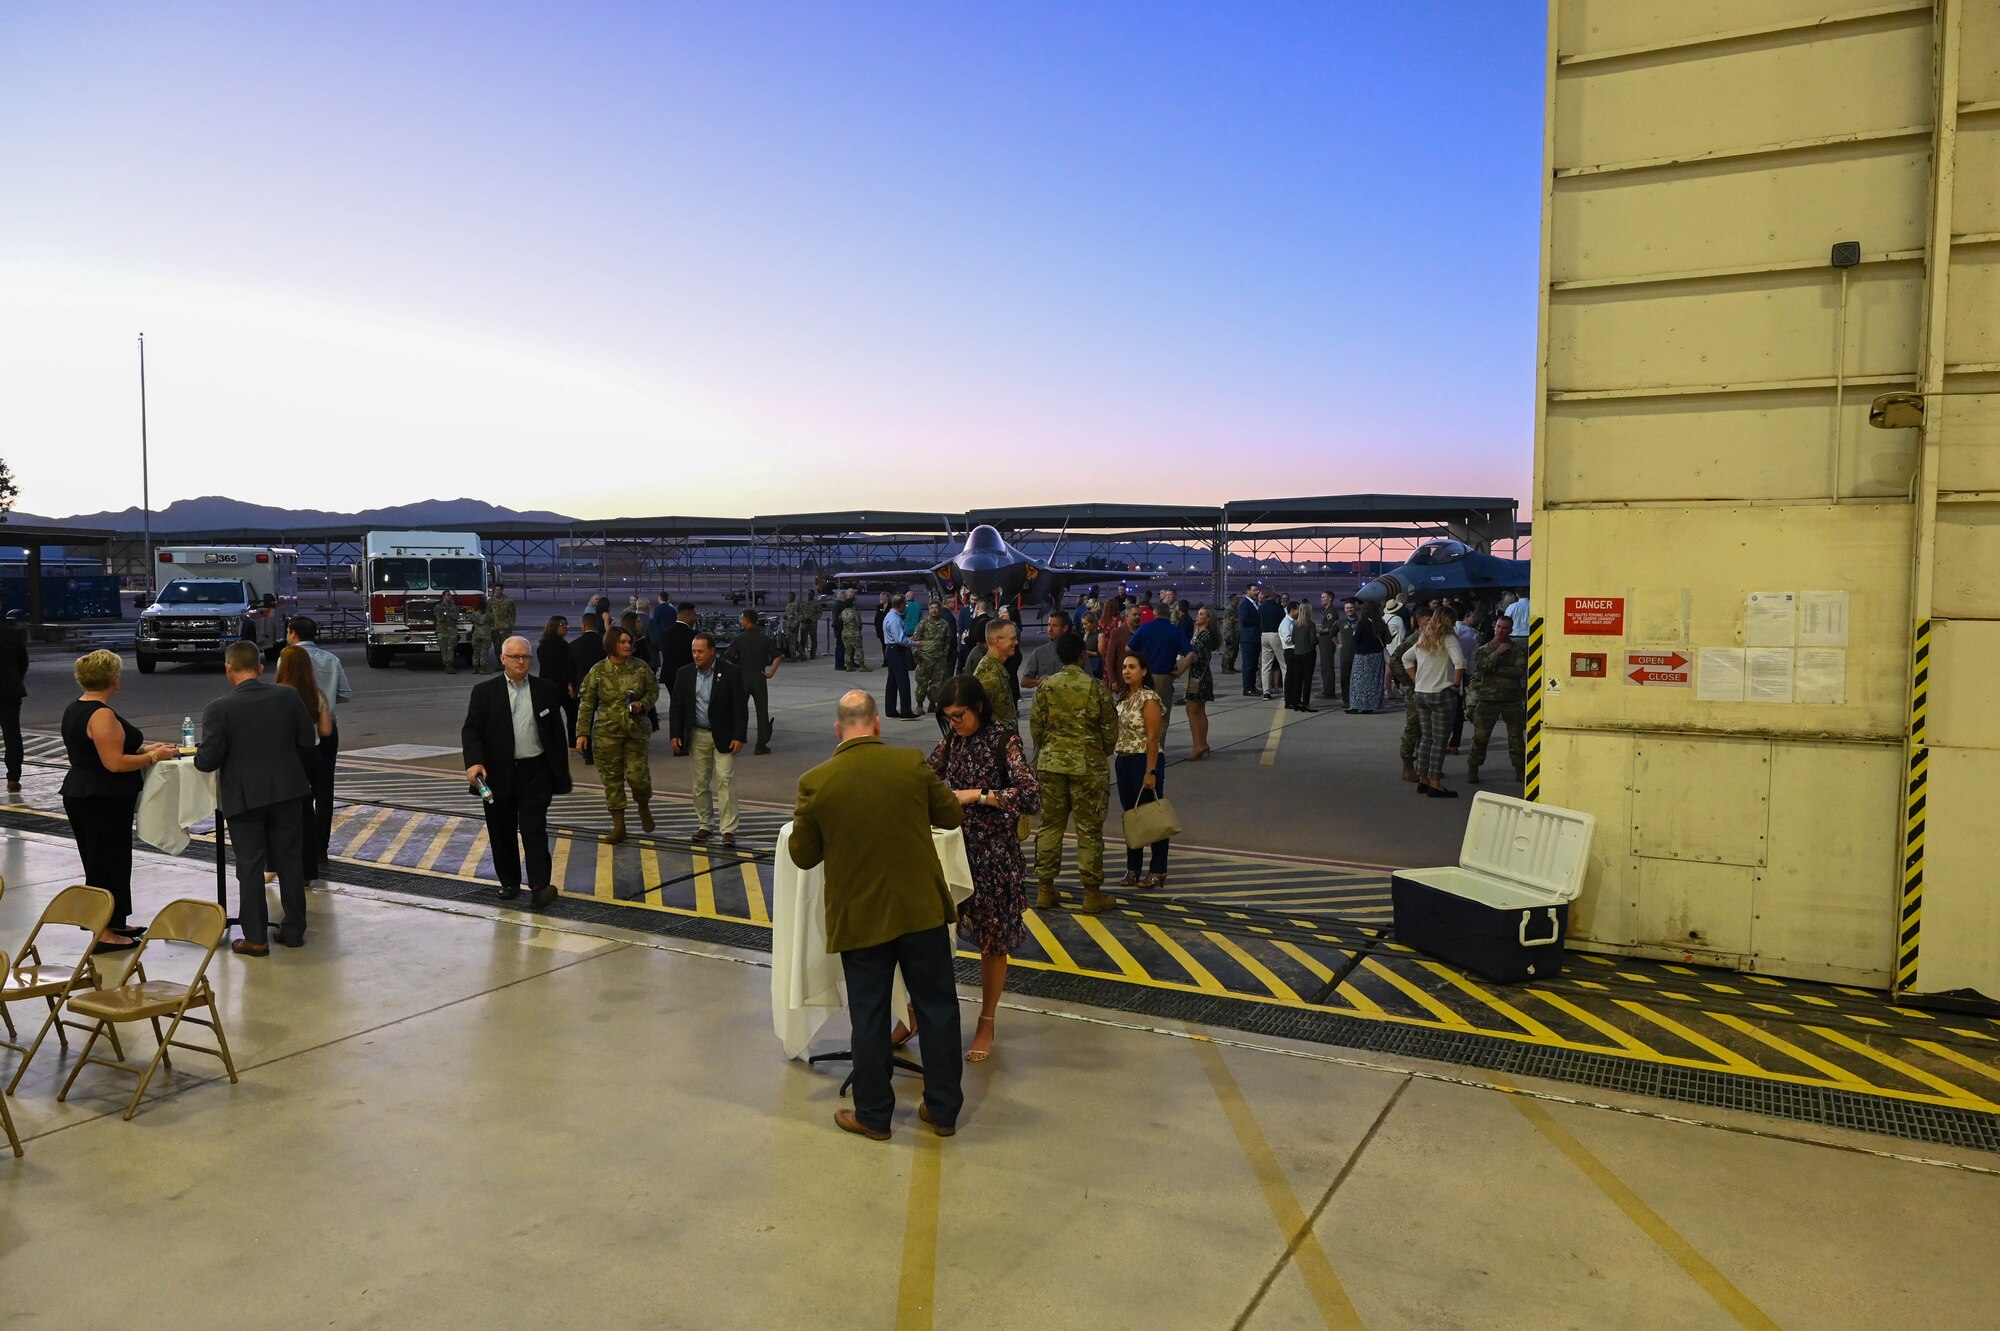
(458, 1117)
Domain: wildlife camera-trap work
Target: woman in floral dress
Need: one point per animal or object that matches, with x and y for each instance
(987, 770)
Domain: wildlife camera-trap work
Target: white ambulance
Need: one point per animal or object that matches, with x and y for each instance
(208, 596)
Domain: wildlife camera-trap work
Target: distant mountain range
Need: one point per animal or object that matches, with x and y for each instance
(214, 512)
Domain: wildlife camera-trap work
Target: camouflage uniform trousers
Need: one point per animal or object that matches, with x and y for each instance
(850, 643)
(482, 647)
(1485, 712)
(1229, 651)
(621, 760)
(930, 674)
(447, 635)
(1087, 798)
(1413, 729)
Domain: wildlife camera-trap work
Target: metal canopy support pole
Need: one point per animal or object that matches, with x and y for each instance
(1221, 548)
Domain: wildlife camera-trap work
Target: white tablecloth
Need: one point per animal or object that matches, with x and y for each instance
(806, 983)
(174, 798)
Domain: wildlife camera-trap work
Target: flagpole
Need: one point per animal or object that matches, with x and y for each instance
(145, 472)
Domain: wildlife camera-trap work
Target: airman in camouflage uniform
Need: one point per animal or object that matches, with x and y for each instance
(616, 735)
(1230, 632)
(850, 636)
(1500, 695)
(934, 634)
(794, 624)
(1003, 639)
(444, 613)
(1074, 724)
(482, 637)
(504, 619)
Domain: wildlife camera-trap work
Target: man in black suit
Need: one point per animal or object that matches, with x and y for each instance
(516, 740)
(709, 718)
(13, 688)
(262, 740)
(677, 645)
(758, 659)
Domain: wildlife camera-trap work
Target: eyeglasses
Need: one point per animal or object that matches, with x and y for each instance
(515, 656)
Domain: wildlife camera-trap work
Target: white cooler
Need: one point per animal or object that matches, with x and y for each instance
(1502, 910)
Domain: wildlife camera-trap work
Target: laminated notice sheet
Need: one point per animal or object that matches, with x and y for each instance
(1767, 674)
(1719, 674)
(1823, 619)
(1820, 675)
(1770, 619)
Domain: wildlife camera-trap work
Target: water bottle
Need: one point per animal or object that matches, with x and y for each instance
(187, 732)
(485, 791)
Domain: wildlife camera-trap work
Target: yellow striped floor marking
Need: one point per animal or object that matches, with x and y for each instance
(1127, 964)
(559, 861)
(753, 894)
(1494, 1001)
(650, 875)
(342, 817)
(607, 857)
(1270, 758)
(704, 886)
(1357, 1000)
(1728, 1057)
(1718, 1286)
(1622, 1039)
(469, 866)
(1264, 975)
(403, 838)
(916, 1289)
(1415, 994)
(1833, 1071)
(1199, 973)
(1301, 1240)
(438, 843)
(1058, 954)
(1947, 1052)
(361, 838)
(1895, 1064)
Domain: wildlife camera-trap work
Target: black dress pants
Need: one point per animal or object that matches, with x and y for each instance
(896, 699)
(520, 820)
(10, 726)
(925, 958)
(102, 826)
(319, 826)
(272, 836)
(1298, 679)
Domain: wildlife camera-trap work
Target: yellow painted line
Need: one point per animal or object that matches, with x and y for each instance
(403, 838)
(1620, 1038)
(342, 817)
(1717, 1286)
(438, 843)
(1970, 1035)
(1721, 988)
(1127, 964)
(1895, 1064)
(1947, 1052)
(1270, 758)
(469, 866)
(1301, 1241)
(1264, 974)
(1416, 994)
(1058, 954)
(650, 875)
(753, 894)
(1728, 1057)
(1865, 1021)
(704, 885)
(1833, 1071)
(361, 838)
(559, 861)
(1772, 1007)
(1196, 971)
(1816, 1002)
(916, 1289)
(1679, 970)
(606, 866)
(1527, 1023)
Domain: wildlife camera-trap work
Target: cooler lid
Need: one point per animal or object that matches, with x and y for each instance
(1536, 846)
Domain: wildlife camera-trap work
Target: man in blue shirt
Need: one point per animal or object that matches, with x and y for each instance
(896, 652)
(663, 615)
(1249, 637)
(1167, 652)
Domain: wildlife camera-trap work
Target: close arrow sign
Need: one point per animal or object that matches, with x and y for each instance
(1670, 668)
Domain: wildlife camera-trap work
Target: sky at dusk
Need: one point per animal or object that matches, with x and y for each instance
(741, 258)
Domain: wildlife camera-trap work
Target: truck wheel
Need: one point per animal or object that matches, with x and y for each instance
(146, 663)
(378, 657)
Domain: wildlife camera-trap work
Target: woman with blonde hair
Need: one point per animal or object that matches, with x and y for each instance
(1437, 670)
(107, 763)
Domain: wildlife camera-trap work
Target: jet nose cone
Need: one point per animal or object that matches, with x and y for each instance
(1379, 591)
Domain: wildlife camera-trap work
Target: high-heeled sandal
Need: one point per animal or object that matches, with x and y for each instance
(981, 1055)
(1154, 880)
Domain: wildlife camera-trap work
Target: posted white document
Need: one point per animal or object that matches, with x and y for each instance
(1770, 619)
(1820, 675)
(1767, 674)
(1719, 674)
(1823, 619)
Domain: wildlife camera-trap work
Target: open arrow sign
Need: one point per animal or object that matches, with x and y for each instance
(1669, 668)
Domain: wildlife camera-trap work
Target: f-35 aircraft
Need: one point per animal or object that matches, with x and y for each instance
(1446, 568)
(988, 566)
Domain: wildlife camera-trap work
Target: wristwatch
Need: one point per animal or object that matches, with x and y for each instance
(983, 794)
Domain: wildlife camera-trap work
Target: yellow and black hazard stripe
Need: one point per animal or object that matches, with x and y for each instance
(1914, 797)
(1533, 791)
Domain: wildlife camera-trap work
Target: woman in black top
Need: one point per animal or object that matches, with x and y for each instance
(101, 791)
(553, 663)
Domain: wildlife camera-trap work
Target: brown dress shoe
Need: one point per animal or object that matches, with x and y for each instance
(729, 838)
(924, 1113)
(849, 1123)
(243, 947)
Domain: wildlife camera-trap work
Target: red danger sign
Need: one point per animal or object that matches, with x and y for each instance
(1672, 669)
(1600, 616)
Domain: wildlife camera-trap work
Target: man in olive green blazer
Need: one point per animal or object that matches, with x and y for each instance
(867, 813)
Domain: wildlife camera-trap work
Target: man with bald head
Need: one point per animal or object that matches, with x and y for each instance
(516, 745)
(867, 814)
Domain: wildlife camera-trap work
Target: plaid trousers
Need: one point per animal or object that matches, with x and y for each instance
(1434, 716)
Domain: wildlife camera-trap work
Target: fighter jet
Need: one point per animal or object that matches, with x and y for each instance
(988, 566)
(1445, 567)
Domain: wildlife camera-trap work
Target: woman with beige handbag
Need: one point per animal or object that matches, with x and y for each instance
(1142, 777)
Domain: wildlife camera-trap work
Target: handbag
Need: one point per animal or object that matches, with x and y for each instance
(1024, 824)
(1150, 820)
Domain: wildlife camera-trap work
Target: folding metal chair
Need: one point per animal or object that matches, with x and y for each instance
(7, 1119)
(31, 977)
(200, 923)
